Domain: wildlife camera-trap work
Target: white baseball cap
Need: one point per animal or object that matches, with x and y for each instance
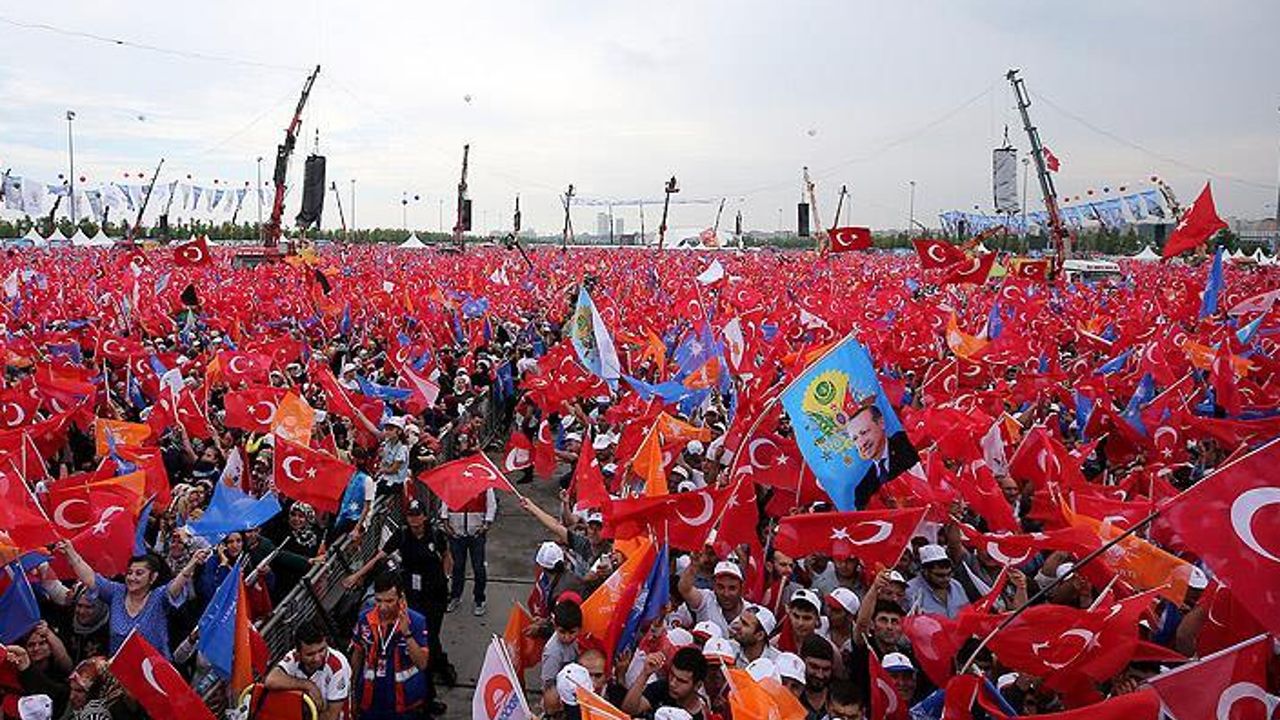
(35, 707)
(549, 554)
(685, 486)
(725, 567)
(807, 596)
(845, 598)
(601, 441)
(761, 668)
(669, 712)
(719, 650)
(595, 516)
(765, 616)
(680, 637)
(569, 679)
(708, 630)
(1063, 569)
(695, 447)
(897, 662)
(895, 576)
(933, 553)
(1198, 580)
(682, 562)
(790, 666)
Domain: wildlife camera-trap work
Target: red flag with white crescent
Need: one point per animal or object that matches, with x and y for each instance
(151, 680)
(876, 537)
(462, 480)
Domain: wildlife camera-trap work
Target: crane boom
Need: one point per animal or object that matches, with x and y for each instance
(1061, 239)
(271, 229)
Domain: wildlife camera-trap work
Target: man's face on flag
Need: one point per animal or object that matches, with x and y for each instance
(867, 430)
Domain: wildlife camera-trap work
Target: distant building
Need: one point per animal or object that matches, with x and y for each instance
(602, 224)
(619, 228)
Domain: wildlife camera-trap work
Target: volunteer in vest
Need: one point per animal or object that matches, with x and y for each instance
(389, 656)
(468, 529)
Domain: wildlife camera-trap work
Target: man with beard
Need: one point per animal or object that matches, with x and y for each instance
(682, 688)
(819, 659)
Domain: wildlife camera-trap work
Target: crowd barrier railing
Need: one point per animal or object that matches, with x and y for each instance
(320, 591)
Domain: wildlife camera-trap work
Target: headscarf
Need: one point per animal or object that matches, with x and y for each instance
(101, 613)
(305, 536)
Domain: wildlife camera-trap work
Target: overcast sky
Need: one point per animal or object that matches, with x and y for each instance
(732, 97)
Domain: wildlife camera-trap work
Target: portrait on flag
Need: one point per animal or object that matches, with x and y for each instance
(845, 426)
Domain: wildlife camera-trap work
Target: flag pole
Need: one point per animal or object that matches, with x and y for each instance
(1048, 588)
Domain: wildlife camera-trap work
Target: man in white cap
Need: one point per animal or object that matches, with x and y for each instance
(791, 670)
(721, 605)
(935, 591)
(35, 707)
(393, 458)
(567, 681)
(902, 674)
(751, 631)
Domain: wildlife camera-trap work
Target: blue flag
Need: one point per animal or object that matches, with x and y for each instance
(592, 342)
(218, 625)
(1246, 333)
(1084, 408)
(1212, 287)
(140, 535)
(231, 510)
(1115, 364)
(649, 602)
(845, 426)
(1142, 396)
(383, 392)
(19, 611)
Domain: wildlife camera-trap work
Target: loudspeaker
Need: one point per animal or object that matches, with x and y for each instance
(312, 192)
(465, 220)
(802, 219)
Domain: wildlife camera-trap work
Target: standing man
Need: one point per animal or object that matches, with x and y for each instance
(393, 458)
(389, 656)
(468, 529)
(317, 670)
(424, 559)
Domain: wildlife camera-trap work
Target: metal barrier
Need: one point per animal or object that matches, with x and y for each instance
(320, 591)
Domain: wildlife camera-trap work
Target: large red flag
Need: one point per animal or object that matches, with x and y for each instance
(1212, 687)
(885, 703)
(686, 518)
(460, 481)
(154, 683)
(844, 239)
(588, 481)
(106, 543)
(973, 270)
(192, 253)
(252, 409)
(21, 517)
(518, 454)
(876, 537)
(1197, 226)
(310, 476)
(937, 254)
(1231, 519)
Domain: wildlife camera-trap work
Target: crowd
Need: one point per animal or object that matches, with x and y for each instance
(696, 566)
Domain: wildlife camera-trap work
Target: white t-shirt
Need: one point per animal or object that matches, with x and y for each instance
(710, 610)
(333, 678)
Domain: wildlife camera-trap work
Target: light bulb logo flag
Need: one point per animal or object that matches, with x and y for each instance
(845, 426)
(592, 342)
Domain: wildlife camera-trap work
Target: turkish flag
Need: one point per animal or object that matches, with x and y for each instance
(155, 683)
(844, 239)
(1222, 376)
(240, 368)
(544, 452)
(518, 454)
(310, 476)
(1037, 270)
(424, 390)
(106, 542)
(1231, 520)
(973, 270)
(1226, 621)
(21, 517)
(980, 490)
(1043, 461)
(460, 481)
(965, 690)
(1051, 161)
(252, 409)
(191, 253)
(937, 254)
(588, 481)
(18, 407)
(1197, 226)
(685, 518)
(1214, 686)
(876, 537)
(1064, 641)
(1111, 647)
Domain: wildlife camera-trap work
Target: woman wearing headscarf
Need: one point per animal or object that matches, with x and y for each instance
(299, 542)
(88, 634)
(94, 694)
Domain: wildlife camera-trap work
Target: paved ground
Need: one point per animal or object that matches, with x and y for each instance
(512, 541)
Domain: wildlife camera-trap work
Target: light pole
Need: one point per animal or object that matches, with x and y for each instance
(1275, 239)
(911, 209)
(71, 157)
(259, 194)
(1026, 168)
(353, 205)
(440, 217)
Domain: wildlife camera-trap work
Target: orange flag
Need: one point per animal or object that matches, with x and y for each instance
(605, 610)
(294, 420)
(1136, 561)
(124, 433)
(671, 429)
(594, 707)
(648, 464)
(525, 651)
(961, 343)
(751, 700)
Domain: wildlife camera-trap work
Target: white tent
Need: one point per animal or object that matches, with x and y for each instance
(36, 238)
(1146, 254)
(413, 243)
(101, 240)
(79, 239)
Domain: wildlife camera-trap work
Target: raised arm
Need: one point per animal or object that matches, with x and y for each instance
(556, 527)
(180, 581)
(83, 572)
(688, 592)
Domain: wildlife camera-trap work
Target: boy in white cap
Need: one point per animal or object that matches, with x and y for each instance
(935, 591)
(567, 681)
(721, 605)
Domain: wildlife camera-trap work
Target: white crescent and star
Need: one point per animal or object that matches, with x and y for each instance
(486, 472)
(105, 518)
(231, 365)
(935, 253)
(701, 518)
(754, 446)
(993, 549)
(270, 407)
(1242, 512)
(891, 697)
(1086, 636)
(18, 416)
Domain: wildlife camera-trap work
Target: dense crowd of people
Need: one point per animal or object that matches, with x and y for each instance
(689, 541)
